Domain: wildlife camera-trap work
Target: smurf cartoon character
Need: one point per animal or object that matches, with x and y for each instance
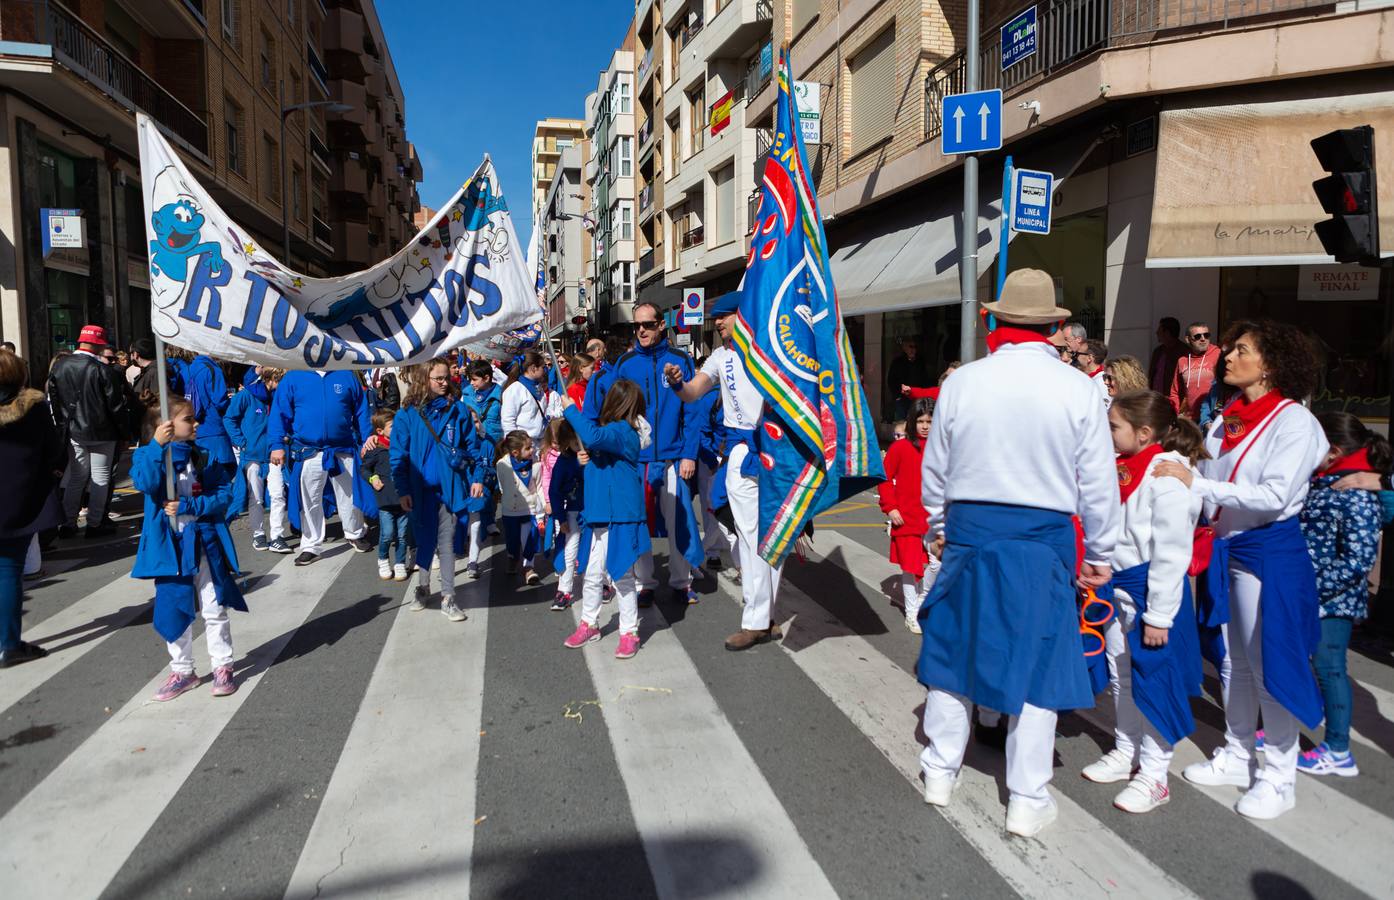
(176, 222)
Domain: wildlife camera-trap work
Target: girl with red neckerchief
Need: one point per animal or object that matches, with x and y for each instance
(900, 500)
(1151, 644)
(1260, 587)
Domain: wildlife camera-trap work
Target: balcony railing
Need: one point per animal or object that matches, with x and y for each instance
(322, 232)
(645, 131)
(755, 81)
(688, 33)
(646, 197)
(647, 261)
(644, 67)
(1069, 30)
(77, 47)
(693, 237)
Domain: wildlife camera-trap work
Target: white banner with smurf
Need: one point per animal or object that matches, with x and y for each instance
(213, 289)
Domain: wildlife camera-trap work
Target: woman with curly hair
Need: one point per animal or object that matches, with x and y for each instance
(1260, 588)
(1124, 375)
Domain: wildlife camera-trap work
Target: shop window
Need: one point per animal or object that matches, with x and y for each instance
(1073, 253)
(67, 307)
(1349, 335)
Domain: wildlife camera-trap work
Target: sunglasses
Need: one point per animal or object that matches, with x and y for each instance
(649, 324)
(1201, 336)
(1108, 379)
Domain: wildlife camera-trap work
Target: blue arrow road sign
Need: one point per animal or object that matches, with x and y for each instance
(1031, 199)
(972, 122)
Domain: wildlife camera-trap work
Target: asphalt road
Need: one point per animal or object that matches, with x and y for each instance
(374, 751)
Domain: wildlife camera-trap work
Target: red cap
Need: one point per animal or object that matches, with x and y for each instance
(92, 334)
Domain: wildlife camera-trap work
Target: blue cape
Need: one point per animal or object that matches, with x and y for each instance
(1000, 624)
(1163, 678)
(688, 541)
(1277, 554)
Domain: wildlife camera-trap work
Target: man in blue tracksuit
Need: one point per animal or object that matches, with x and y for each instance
(671, 460)
(320, 420)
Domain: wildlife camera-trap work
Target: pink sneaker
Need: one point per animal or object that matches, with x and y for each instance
(222, 682)
(175, 685)
(629, 645)
(584, 634)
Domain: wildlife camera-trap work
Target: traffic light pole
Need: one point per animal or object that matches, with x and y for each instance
(968, 262)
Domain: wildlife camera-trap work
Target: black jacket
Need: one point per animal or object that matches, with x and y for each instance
(378, 461)
(905, 371)
(88, 403)
(31, 451)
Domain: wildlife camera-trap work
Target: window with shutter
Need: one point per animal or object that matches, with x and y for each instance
(804, 11)
(872, 82)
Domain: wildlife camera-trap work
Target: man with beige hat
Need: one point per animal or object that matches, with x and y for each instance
(1020, 444)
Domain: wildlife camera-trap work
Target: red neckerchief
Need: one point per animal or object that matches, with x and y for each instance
(384, 441)
(1132, 469)
(1241, 417)
(1359, 461)
(1006, 334)
(1097, 372)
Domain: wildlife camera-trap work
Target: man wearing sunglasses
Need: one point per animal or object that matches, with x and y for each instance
(1195, 372)
(671, 459)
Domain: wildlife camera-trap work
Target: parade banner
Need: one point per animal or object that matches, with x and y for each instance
(213, 289)
(816, 440)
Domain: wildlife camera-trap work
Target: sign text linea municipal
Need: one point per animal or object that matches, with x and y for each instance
(972, 122)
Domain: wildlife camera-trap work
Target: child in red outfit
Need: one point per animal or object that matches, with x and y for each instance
(900, 500)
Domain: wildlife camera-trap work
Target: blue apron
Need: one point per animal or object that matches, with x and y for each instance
(1277, 555)
(1000, 624)
(688, 541)
(1163, 678)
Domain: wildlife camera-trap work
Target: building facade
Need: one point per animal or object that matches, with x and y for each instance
(218, 79)
(1178, 138)
(610, 117)
(550, 138)
(563, 249)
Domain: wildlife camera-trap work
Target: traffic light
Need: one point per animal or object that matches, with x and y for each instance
(1348, 194)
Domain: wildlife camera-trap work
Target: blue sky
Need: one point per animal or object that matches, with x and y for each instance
(477, 79)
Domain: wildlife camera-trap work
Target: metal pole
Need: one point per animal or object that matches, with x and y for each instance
(1004, 227)
(968, 262)
(285, 194)
(162, 374)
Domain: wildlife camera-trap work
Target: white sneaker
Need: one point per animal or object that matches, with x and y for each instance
(1266, 800)
(384, 570)
(937, 791)
(1143, 794)
(418, 598)
(1026, 819)
(451, 611)
(912, 623)
(399, 572)
(1115, 765)
(1220, 769)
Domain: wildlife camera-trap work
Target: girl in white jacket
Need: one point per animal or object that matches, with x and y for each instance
(1151, 642)
(520, 505)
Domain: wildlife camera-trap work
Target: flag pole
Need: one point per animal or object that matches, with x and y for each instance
(162, 374)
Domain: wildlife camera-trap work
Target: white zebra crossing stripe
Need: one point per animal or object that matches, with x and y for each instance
(71, 834)
(113, 605)
(686, 769)
(1362, 832)
(397, 803)
(1077, 857)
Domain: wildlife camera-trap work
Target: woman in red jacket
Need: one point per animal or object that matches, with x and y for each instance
(900, 500)
(582, 367)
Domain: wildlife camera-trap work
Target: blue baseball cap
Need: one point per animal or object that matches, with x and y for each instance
(727, 304)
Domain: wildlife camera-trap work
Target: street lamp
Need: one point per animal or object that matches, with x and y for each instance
(328, 106)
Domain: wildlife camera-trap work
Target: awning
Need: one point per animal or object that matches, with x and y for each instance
(1234, 180)
(907, 256)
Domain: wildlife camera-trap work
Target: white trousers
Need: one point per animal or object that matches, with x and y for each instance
(216, 628)
(476, 534)
(88, 464)
(1030, 744)
(679, 572)
(714, 534)
(261, 479)
(913, 590)
(572, 552)
(1246, 696)
(1133, 734)
(759, 580)
(312, 479)
(626, 594)
(445, 552)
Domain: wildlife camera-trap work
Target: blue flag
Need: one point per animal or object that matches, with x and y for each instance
(816, 439)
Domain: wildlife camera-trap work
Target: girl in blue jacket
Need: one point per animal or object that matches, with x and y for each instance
(1342, 529)
(614, 509)
(566, 499)
(192, 562)
(436, 470)
(485, 400)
